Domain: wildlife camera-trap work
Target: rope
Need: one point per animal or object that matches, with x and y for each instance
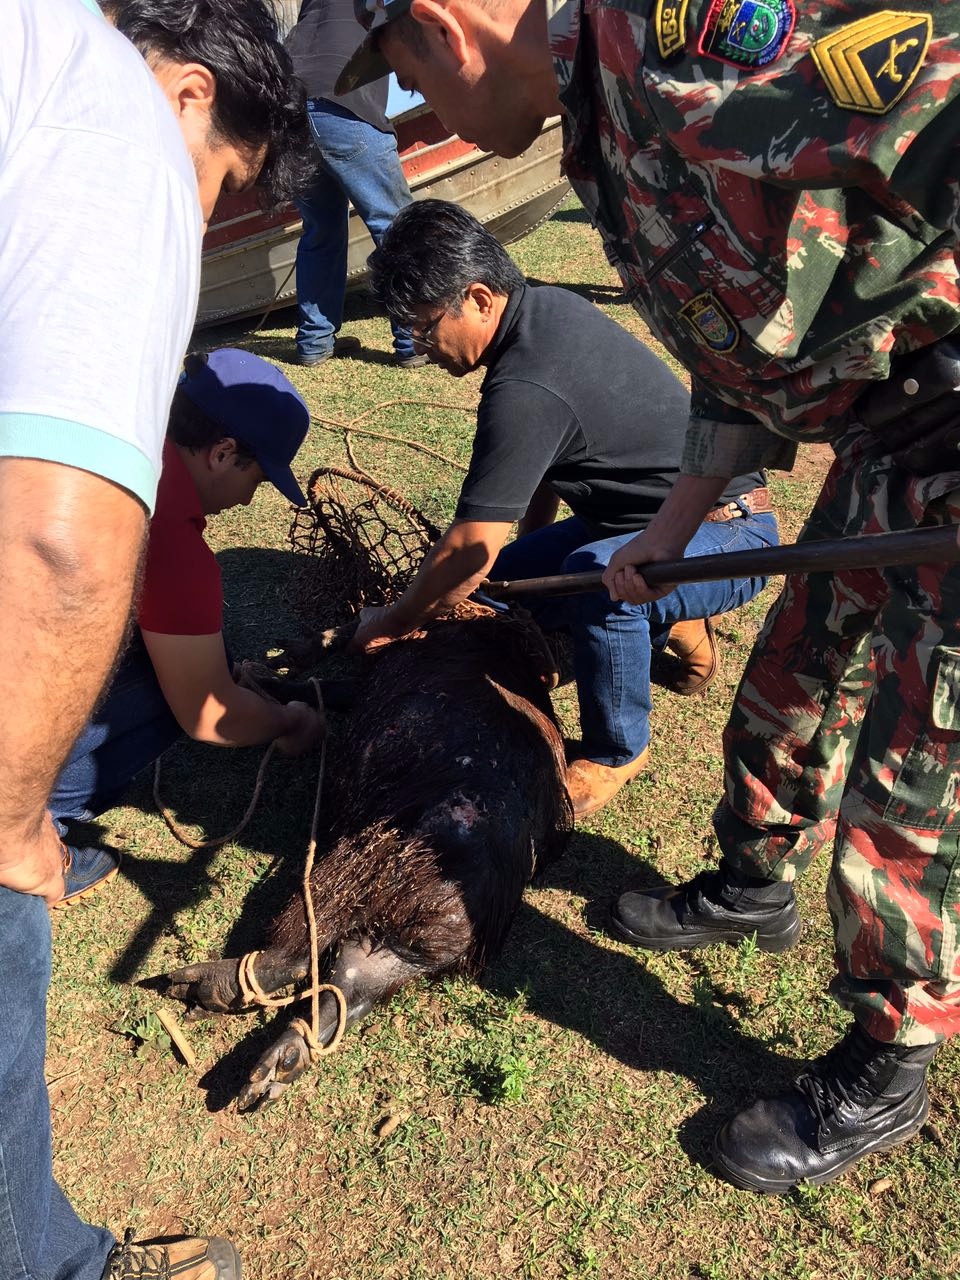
(247, 680)
(253, 993)
(311, 1033)
(334, 425)
(249, 986)
(214, 843)
(276, 298)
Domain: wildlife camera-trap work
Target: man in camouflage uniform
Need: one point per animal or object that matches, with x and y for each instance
(777, 188)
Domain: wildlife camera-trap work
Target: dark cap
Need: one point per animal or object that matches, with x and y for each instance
(368, 63)
(255, 404)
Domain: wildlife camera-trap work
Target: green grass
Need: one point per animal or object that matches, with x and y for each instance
(552, 1121)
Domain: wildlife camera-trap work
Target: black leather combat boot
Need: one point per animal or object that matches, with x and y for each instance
(716, 906)
(860, 1097)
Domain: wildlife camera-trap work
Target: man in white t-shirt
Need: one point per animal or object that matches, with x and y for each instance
(103, 154)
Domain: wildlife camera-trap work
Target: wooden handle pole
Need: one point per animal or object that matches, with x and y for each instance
(917, 546)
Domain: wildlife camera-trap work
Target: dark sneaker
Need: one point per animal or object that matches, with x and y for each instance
(185, 1259)
(84, 871)
(411, 362)
(343, 348)
(860, 1097)
(716, 906)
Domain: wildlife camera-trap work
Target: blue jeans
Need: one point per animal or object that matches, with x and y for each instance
(41, 1238)
(359, 165)
(131, 728)
(613, 642)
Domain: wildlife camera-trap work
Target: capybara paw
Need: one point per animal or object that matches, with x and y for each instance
(283, 1063)
(210, 987)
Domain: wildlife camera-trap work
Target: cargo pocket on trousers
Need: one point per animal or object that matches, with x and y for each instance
(926, 794)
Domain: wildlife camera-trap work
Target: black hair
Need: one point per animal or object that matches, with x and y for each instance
(259, 100)
(411, 33)
(193, 429)
(431, 254)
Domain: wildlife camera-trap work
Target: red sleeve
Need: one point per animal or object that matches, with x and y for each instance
(182, 592)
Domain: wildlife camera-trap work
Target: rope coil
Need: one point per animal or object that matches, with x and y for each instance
(254, 994)
(250, 988)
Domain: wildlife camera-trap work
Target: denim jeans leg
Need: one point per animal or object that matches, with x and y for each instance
(707, 599)
(128, 731)
(539, 554)
(613, 641)
(40, 1234)
(611, 662)
(321, 263)
(366, 164)
(378, 199)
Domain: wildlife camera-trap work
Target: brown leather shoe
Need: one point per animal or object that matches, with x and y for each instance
(695, 645)
(211, 1258)
(591, 785)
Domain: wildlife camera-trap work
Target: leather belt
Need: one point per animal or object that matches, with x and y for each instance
(757, 501)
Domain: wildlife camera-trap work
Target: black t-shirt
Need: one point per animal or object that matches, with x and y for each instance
(571, 398)
(321, 43)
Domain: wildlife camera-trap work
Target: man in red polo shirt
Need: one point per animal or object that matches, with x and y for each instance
(235, 422)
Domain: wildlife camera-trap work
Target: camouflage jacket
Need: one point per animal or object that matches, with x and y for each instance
(777, 186)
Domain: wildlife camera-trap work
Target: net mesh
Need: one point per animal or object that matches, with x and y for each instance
(358, 543)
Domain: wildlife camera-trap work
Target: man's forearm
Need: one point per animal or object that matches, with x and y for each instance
(70, 543)
(683, 510)
(541, 511)
(452, 570)
(244, 719)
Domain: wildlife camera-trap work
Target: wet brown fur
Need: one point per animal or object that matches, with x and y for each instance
(450, 793)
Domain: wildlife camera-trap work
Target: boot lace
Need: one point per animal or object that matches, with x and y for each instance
(842, 1077)
(705, 884)
(130, 1261)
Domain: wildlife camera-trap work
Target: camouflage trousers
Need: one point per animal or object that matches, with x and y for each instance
(846, 729)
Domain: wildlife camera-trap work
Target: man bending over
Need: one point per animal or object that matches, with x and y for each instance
(558, 421)
(235, 422)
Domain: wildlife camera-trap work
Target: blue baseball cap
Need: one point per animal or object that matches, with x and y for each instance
(253, 402)
(368, 63)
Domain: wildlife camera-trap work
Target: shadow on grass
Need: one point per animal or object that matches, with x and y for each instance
(269, 335)
(610, 996)
(282, 350)
(179, 887)
(603, 993)
(610, 294)
(209, 789)
(574, 213)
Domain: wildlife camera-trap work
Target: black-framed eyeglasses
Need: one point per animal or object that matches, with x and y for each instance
(423, 334)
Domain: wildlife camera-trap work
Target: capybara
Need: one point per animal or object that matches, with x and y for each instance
(449, 793)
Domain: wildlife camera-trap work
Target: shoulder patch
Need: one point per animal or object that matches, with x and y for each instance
(869, 65)
(747, 33)
(711, 323)
(670, 19)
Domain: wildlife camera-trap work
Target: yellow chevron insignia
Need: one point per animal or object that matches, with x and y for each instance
(870, 65)
(671, 22)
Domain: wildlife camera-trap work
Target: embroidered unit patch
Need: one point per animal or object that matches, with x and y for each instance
(670, 19)
(747, 33)
(869, 65)
(711, 323)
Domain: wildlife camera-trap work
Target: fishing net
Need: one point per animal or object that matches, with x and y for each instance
(358, 543)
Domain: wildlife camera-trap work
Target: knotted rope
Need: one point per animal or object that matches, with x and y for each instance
(250, 988)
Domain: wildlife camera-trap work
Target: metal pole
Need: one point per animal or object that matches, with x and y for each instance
(826, 555)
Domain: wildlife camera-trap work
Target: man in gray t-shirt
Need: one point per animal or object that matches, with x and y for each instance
(357, 164)
(558, 421)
